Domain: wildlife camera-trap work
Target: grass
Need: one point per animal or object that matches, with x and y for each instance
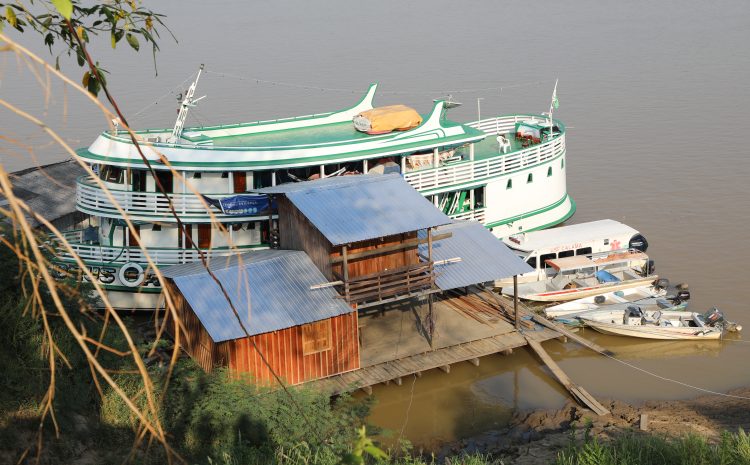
(640, 449)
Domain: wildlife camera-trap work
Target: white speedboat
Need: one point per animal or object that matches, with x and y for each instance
(577, 277)
(650, 297)
(635, 322)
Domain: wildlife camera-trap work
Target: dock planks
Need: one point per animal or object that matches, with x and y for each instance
(409, 365)
(577, 391)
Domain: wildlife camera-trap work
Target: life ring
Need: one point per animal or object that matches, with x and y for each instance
(123, 278)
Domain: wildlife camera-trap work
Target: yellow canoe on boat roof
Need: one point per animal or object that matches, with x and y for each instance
(382, 120)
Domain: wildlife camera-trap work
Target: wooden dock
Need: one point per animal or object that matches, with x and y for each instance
(480, 324)
(441, 358)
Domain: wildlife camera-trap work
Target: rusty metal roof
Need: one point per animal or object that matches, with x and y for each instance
(348, 209)
(270, 289)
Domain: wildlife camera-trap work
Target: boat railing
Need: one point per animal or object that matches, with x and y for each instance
(99, 255)
(477, 214)
(92, 199)
(476, 172)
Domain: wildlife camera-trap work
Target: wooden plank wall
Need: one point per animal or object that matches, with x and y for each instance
(377, 263)
(195, 339)
(297, 233)
(283, 351)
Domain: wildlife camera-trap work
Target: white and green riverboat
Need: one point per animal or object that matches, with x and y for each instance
(507, 172)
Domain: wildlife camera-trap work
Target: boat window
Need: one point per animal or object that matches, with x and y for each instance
(543, 259)
(565, 253)
(584, 251)
(225, 174)
(530, 178)
(112, 174)
(532, 262)
(197, 175)
(509, 185)
(549, 171)
(236, 226)
(156, 227)
(251, 225)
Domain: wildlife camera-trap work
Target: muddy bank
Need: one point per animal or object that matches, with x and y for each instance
(537, 436)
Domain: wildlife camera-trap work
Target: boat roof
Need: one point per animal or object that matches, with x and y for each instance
(576, 262)
(583, 232)
(297, 141)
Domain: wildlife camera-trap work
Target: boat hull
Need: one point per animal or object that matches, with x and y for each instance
(581, 292)
(647, 332)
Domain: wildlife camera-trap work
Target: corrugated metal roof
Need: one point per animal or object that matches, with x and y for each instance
(49, 190)
(483, 256)
(350, 209)
(270, 289)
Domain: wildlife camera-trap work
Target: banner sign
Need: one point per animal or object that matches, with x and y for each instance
(241, 205)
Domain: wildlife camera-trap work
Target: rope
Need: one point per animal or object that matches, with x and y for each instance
(664, 378)
(359, 91)
(168, 93)
(408, 408)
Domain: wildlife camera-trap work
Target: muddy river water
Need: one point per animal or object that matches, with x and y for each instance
(655, 96)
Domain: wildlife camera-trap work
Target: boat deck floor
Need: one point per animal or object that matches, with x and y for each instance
(393, 343)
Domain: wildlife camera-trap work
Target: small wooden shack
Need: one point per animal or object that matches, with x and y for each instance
(362, 233)
(304, 334)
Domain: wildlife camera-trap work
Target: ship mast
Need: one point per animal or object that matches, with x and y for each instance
(186, 104)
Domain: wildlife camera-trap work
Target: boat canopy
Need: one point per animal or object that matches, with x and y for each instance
(576, 262)
(625, 256)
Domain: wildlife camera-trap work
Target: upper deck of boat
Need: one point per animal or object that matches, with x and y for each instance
(332, 134)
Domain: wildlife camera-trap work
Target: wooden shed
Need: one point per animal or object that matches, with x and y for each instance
(304, 333)
(362, 233)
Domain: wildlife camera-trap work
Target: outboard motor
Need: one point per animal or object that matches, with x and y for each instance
(713, 317)
(638, 242)
(683, 295)
(599, 299)
(661, 283)
(634, 311)
(649, 268)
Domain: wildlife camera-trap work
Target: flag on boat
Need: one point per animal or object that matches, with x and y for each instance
(240, 205)
(555, 103)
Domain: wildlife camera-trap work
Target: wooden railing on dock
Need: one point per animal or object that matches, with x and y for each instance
(379, 286)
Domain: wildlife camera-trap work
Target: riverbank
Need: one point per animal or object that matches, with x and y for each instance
(538, 436)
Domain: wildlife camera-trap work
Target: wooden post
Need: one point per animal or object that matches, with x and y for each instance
(515, 301)
(270, 222)
(430, 317)
(345, 272)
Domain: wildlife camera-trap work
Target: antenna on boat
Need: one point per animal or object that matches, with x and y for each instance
(187, 103)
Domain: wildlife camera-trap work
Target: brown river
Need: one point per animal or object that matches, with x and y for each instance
(655, 96)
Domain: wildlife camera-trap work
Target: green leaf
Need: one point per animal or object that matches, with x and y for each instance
(133, 41)
(86, 79)
(65, 7)
(10, 15)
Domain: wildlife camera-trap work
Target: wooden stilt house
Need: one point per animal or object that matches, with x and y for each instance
(363, 234)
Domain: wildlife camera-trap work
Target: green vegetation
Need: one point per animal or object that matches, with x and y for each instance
(641, 449)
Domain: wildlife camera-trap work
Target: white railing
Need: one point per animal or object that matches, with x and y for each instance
(119, 255)
(90, 198)
(477, 214)
(444, 177)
